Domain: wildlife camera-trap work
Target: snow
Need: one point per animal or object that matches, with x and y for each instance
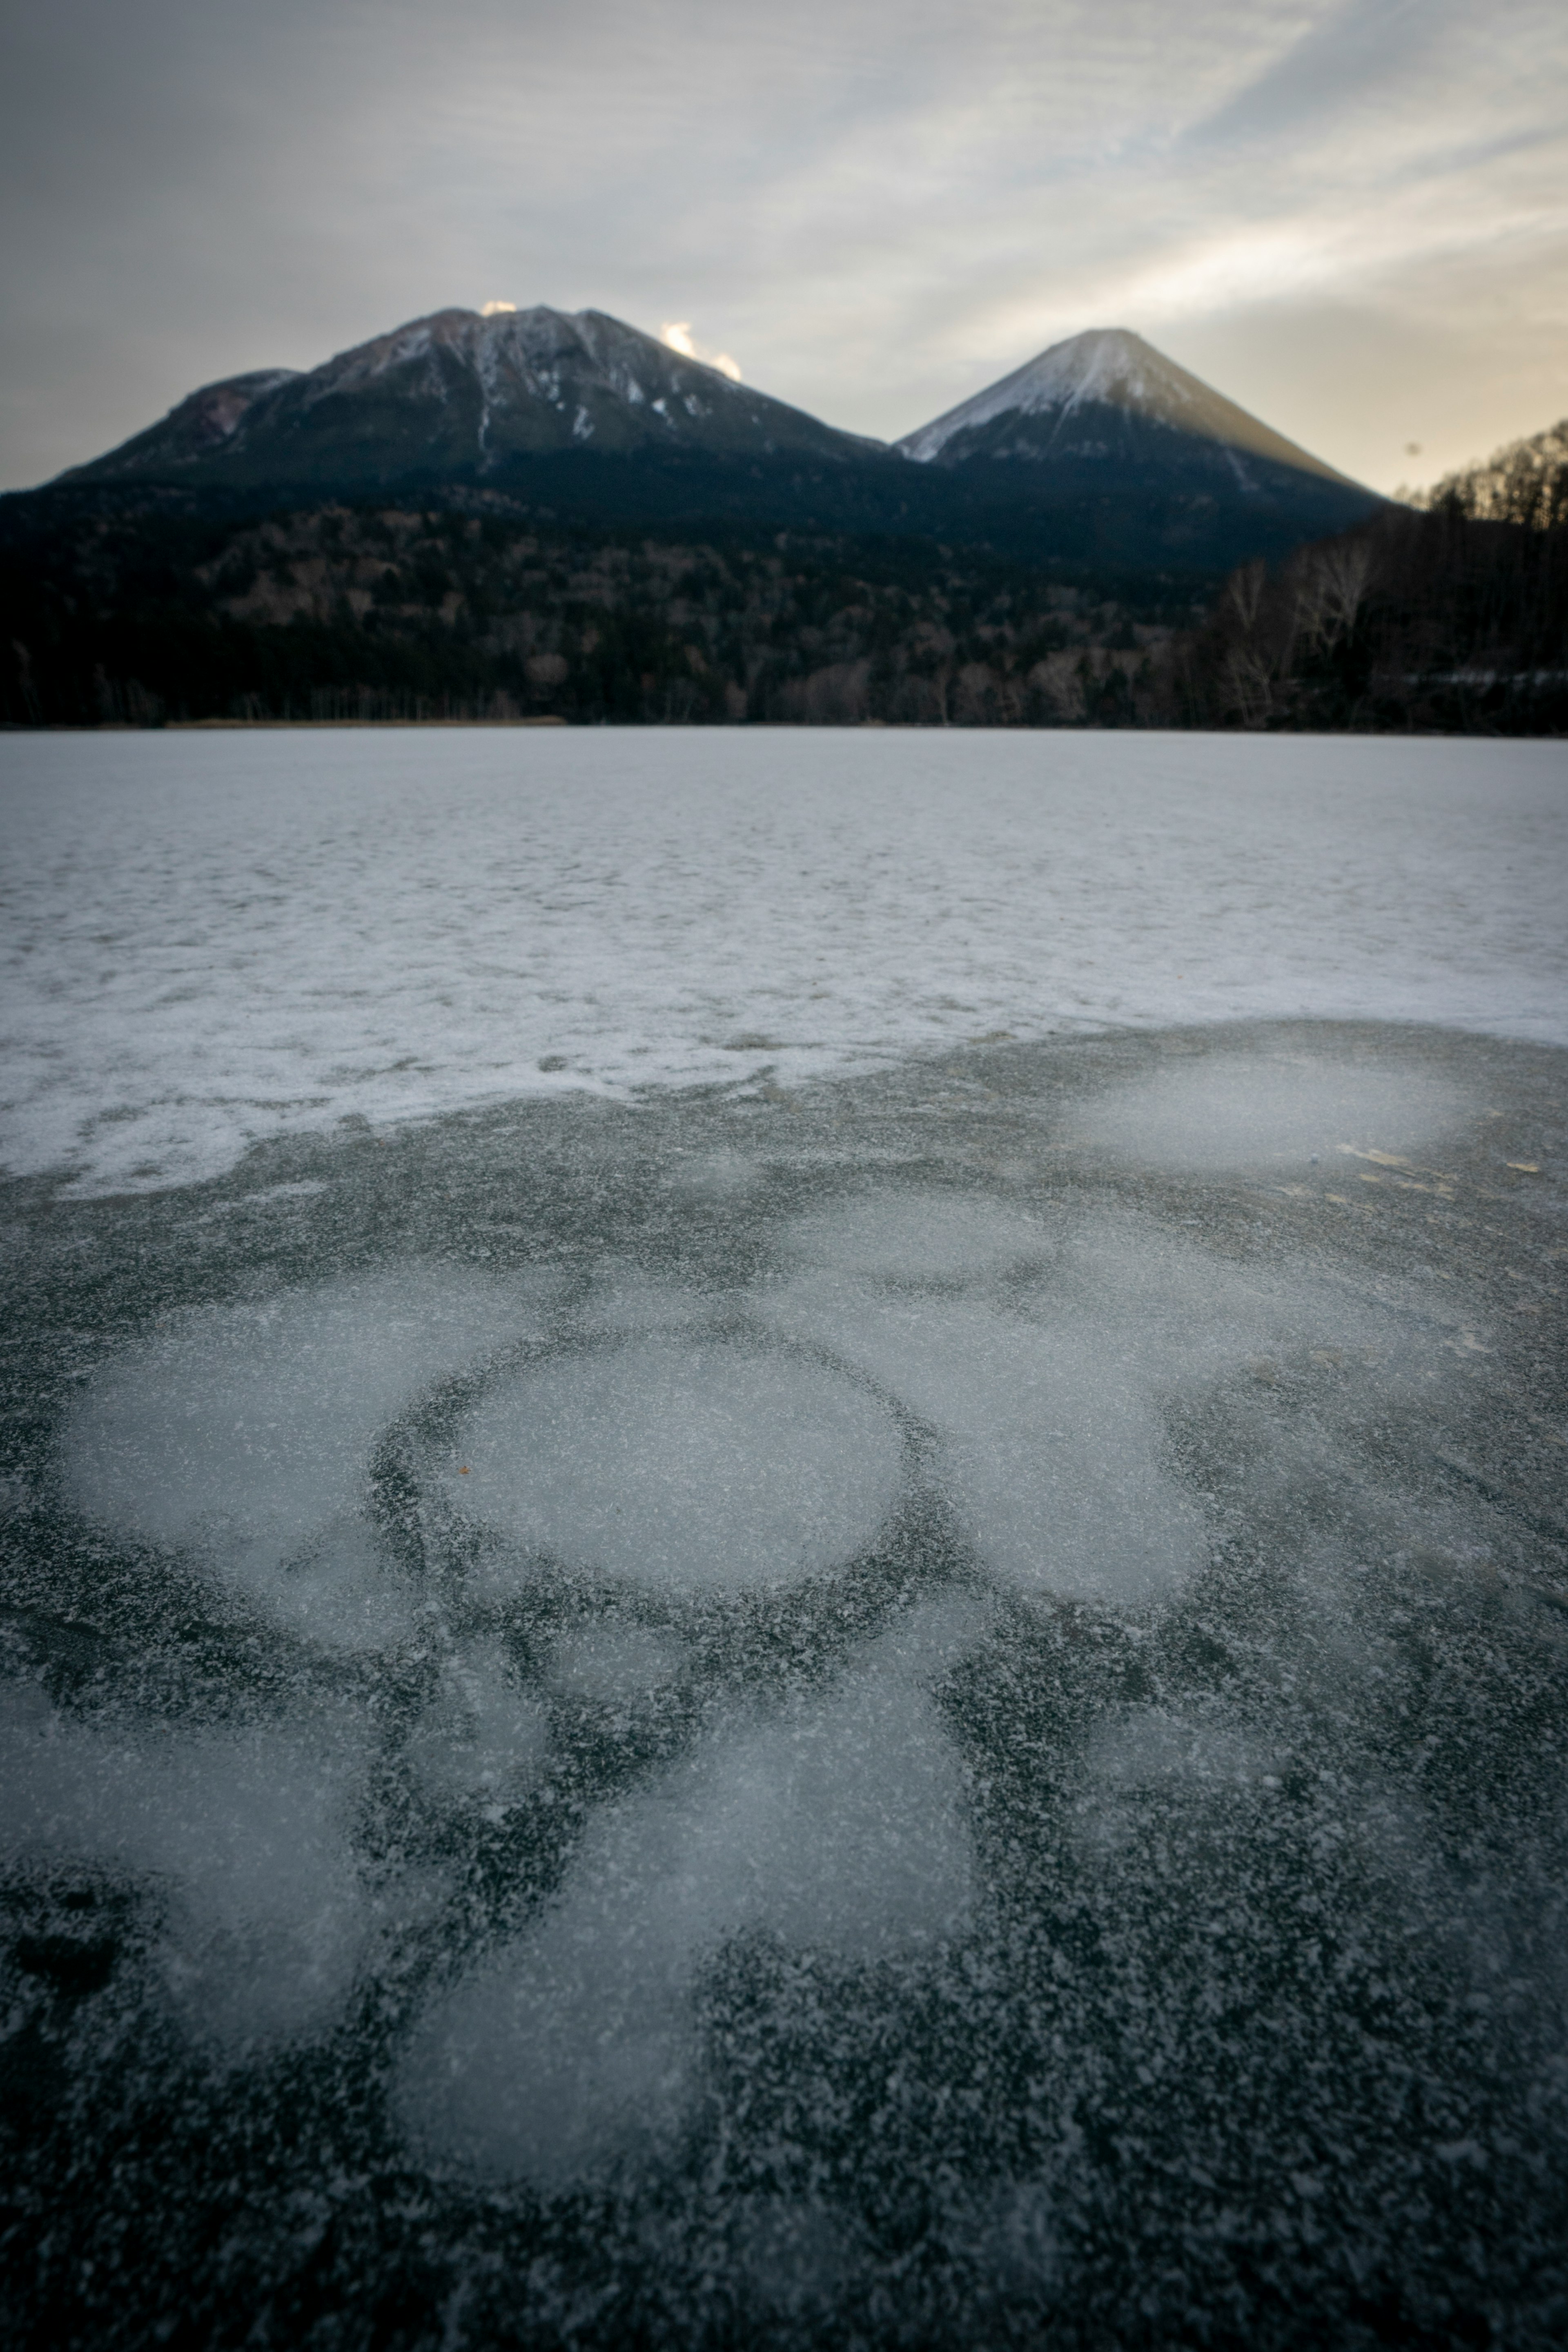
(1104, 363)
(1111, 367)
(213, 939)
(901, 1696)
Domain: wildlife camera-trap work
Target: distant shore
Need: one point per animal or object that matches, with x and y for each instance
(231, 726)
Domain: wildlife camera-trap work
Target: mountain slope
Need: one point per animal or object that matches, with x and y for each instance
(1106, 418)
(459, 397)
(1098, 456)
(200, 426)
(1097, 396)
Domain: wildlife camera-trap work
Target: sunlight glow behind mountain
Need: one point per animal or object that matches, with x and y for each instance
(1348, 212)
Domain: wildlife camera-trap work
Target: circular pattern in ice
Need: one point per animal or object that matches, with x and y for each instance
(243, 1435)
(688, 1466)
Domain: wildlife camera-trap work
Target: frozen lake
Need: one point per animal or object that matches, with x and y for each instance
(883, 1665)
(213, 939)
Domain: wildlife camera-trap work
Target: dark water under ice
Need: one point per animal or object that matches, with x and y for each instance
(931, 1712)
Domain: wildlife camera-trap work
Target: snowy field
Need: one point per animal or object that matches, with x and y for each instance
(212, 938)
(885, 1664)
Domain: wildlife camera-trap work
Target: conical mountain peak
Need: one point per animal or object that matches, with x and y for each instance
(1090, 396)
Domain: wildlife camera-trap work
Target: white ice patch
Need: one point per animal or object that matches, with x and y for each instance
(239, 1838)
(482, 1737)
(923, 1236)
(243, 1433)
(689, 1467)
(1048, 1402)
(1049, 1444)
(837, 1825)
(1174, 1313)
(623, 1298)
(1258, 1110)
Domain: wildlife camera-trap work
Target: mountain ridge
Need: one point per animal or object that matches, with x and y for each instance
(474, 390)
(1097, 452)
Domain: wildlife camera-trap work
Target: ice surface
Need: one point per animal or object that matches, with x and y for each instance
(238, 1840)
(791, 2254)
(443, 1743)
(243, 1435)
(1049, 1452)
(215, 938)
(836, 1825)
(681, 1465)
(481, 1737)
(1048, 1401)
(920, 1236)
(1277, 1110)
(609, 1663)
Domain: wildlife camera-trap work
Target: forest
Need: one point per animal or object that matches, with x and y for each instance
(146, 608)
(1449, 616)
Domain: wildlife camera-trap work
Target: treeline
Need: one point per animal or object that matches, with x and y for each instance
(130, 613)
(1451, 616)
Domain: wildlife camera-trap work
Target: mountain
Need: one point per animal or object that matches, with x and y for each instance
(1098, 456)
(462, 396)
(1106, 419)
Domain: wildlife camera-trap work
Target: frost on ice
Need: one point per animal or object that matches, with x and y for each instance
(825, 1704)
(243, 1435)
(834, 1825)
(682, 1466)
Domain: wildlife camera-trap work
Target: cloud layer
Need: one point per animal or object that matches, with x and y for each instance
(1352, 217)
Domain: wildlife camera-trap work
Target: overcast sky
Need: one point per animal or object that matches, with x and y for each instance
(1352, 218)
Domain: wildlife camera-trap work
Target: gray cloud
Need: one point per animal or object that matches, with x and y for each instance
(1361, 51)
(877, 209)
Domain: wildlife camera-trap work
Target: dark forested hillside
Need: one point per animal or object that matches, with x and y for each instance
(1452, 616)
(138, 609)
(144, 606)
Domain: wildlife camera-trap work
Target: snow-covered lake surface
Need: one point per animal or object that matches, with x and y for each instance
(913, 1695)
(211, 939)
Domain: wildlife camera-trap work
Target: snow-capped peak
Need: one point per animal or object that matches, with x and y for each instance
(1111, 367)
